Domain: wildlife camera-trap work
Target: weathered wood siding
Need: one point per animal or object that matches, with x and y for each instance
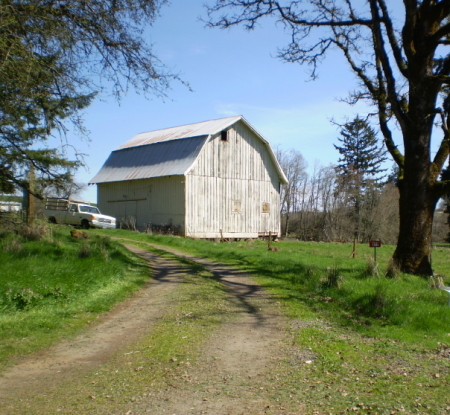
(233, 186)
(157, 201)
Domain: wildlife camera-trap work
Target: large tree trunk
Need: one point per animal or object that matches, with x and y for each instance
(417, 205)
(413, 253)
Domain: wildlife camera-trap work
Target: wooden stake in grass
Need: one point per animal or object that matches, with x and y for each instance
(355, 244)
(269, 246)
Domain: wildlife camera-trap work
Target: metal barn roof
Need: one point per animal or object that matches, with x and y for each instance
(184, 131)
(167, 152)
(169, 158)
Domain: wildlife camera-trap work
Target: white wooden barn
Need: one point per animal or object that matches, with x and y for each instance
(207, 180)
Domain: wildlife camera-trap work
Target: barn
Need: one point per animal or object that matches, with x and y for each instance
(212, 179)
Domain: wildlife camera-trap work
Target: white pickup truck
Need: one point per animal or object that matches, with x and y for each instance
(76, 213)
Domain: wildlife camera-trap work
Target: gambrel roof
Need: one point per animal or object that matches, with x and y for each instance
(168, 152)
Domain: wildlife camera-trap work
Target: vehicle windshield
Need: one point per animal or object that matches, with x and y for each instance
(89, 209)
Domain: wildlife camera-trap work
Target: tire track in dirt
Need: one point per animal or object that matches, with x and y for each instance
(235, 374)
(233, 377)
(96, 344)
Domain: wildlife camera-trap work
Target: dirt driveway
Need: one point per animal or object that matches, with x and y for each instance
(234, 368)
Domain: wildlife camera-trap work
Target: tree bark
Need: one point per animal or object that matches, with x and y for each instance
(413, 252)
(417, 204)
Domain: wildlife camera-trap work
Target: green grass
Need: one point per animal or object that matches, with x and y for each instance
(196, 309)
(199, 307)
(405, 308)
(51, 287)
(362, 343)
(365, 345)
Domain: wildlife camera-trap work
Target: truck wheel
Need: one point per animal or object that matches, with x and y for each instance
(51, 219)
(85, 224)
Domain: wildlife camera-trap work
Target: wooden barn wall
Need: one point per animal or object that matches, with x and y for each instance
(158, 201)
(233, 186)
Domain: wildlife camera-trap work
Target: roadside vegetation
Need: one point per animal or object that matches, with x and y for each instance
(361, 341)
(51, 284)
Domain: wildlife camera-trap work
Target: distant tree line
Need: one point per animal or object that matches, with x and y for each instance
(353, 200)
(316, 207)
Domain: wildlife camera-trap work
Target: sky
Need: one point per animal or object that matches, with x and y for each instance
(230, 72)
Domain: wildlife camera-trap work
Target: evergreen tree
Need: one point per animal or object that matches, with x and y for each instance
(54, 58)
(359, 168)
(360, 151)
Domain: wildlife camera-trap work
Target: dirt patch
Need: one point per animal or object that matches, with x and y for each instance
(232, 377)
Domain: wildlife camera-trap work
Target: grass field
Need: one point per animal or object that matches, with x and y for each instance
(380, 345)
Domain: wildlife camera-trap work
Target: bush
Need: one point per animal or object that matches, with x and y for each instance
(22, 299)
(33, 233)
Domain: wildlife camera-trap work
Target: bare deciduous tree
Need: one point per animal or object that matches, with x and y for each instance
(402, 65)
(294, 166)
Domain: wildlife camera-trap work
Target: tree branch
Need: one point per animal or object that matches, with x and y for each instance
(396, 49)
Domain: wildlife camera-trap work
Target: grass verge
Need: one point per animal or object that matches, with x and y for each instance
(134, 374)
(52, 286)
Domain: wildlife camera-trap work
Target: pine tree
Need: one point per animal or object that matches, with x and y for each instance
(55, 57)
(360, 151)
(360, 166)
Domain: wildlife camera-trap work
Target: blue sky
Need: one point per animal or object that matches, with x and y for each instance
(231, 72)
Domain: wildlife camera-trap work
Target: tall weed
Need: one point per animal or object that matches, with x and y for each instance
(21, 299)
(371, 269)
(13, 245)
(374, 303)
(33, 233)
(84, 250)
(392, 270)
(333, 278)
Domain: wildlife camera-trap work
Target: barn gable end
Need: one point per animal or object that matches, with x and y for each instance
(224, 182)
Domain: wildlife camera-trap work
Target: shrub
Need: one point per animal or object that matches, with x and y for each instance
(85, 250)
(23, 298)
(33, 233)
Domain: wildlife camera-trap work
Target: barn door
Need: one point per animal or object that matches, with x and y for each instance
(127, 214)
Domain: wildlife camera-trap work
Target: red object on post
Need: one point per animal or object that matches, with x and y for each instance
(375, 244)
